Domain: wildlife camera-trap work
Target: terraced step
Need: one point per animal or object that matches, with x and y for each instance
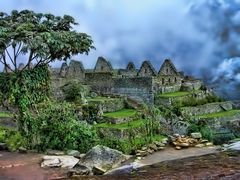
(219, 114)
(123, 130)
(121, 116)
(207, 108)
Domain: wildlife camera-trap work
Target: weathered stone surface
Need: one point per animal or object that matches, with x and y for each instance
(74, 153)
(153, 147)
(59, 161)
(97, 170)
(102, 157)
(79, 170)
(22, 150)
(51, 162)
(196, 135)
(234, 146)
(199, 145)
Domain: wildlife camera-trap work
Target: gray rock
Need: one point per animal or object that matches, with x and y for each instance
(234, 146)
(153, 147)
(55, 152)
(74, 153)
(102, 157)
(199, 145)
(126, 169)
(59, 161)
(196, 135)
(98, 170)
(22, 150)
(79, 170)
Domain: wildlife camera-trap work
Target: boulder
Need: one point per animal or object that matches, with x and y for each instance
(234, 146)
(103, 158)
(99, 170)
(74, 153)
(59, 161)
(153, 147)
(22, 150)
(196, 135)
(199, 145)
(79, 170)
(209, 144)
(51, 162)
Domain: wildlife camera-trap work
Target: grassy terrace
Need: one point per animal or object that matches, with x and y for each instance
(121, 114)
(127, 125)
(5, 115)
(177, 94)
(219, 114)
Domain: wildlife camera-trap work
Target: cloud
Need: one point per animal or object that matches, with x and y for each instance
(197, 34)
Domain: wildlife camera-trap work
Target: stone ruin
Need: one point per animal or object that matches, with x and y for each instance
(140, 84)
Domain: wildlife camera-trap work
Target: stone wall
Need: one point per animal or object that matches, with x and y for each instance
(138, 88)
(191, 85)
(100, 82)
(207, 108)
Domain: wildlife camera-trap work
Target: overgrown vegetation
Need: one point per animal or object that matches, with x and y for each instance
(121, 114)
(55, 126)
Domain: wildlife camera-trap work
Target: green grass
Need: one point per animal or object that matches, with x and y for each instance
(121, 114)
(219, 114)
(127, 125)
(177, 94)
(5, 115)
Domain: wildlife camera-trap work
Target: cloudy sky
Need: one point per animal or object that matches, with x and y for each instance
(202, 37)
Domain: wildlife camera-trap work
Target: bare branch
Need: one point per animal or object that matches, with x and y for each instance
(9, 56)
(18, 50)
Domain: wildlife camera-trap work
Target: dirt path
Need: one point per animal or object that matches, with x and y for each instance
(171, 154)
(16, 166)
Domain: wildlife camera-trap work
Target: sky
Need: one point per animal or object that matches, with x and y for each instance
(202, 37)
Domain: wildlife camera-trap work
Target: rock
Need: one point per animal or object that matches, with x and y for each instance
(102, 157)
(141, 153)
(150, 151)
(184, 144)
(204, 141)
(98, 170)
(93, 94)
(74, 153)
(126, 169)
(55, 152)
(161, 148)
(176, 135)
(209, 144)
(139, 158)
(79, 170)
(52, 162)
(22, 150)
(159, 144)
(199, 145)
(178, 148)
(144, 148)
(82, 155)
(164, 141)
(196, 135)
(234, 146)
(3, 147)
(59, 161)
(153, 147)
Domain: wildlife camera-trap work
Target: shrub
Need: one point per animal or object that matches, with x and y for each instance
(74, 91)
(55, 126)
(206, 132)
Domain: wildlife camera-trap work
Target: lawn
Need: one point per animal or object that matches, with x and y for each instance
(219, 114)
(127, 125)
(177, 94)
(5, 115)
(121, 114)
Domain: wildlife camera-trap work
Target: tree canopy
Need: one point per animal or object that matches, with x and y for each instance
(41, 38)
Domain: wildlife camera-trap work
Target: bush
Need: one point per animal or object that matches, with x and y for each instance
(12, 138)
(55, 126)
(74, 91)
(206, 132)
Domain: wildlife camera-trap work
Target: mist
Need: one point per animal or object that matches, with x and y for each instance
(198, 35)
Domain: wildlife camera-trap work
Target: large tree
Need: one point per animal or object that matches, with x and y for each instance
(41, 38)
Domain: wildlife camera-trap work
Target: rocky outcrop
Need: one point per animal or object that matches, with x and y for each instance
(234, 146)
(102, 159)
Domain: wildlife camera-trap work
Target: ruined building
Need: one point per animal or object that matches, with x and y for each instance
(140, 84)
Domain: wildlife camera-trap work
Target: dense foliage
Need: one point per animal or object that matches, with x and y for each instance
(42, 38)
(55, 126)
